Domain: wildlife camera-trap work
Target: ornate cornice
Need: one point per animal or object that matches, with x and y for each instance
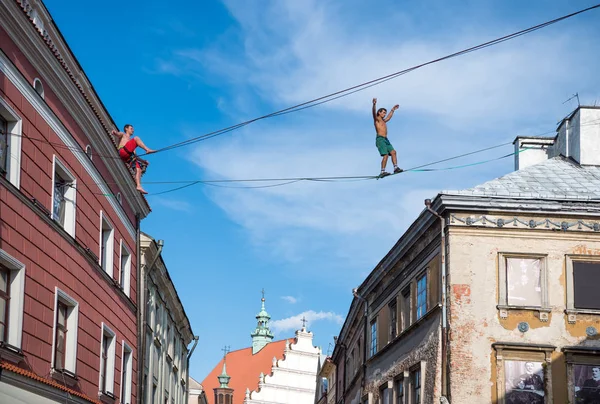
(516, 222)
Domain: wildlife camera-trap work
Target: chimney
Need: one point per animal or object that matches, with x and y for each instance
(579, 136)
(530, 150)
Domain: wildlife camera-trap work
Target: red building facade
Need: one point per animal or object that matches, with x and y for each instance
(69, 226)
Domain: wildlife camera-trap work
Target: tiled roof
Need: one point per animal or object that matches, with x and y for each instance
(27, 373)
(558, 178)
(244, 370)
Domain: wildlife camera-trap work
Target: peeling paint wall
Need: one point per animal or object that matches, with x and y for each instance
(475, 320)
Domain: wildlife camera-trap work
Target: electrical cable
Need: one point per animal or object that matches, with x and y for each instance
(365, 85)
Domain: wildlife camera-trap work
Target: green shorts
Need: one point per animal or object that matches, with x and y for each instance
(383, 145)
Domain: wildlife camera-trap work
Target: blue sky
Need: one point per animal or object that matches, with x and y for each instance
(177, 72)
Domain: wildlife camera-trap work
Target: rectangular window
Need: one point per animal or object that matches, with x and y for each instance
(106, 245)
(586, 278)
(393, 307)
(384, 395)
(66, 314)
(400, 391)
(10, 144)
(416, 386)
(107, 361)
(61, 335)
(63, 197)
(125, 268)
(3, 146)
(421, 296)
(373, 350)
(522, 280)
(12, 295)
(522, 372)
(126, 367)
(4, 302)
(406, 309)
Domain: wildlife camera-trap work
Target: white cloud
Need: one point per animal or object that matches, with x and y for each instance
(295, 322)
(290, 299)
(286, 52)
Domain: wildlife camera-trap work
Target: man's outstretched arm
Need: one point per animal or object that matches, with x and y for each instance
(117, 133)
(374, 108)
(389, 116)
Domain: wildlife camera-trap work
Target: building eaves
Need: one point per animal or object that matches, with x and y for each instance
(26, 8)
(170, 284)
(31, 375)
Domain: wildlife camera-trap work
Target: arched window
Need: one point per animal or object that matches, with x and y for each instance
(119, 197)
(88, 151)
(38, 87)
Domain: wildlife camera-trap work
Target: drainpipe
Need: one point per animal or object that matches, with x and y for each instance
(187, 382)
(445, 379)
(366, 311)
(145, 272)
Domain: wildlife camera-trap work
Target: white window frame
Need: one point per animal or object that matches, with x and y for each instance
(70, 196)
(110, 364)
(502, 289)
(126, 349)
(110, 246)
(15, 129)
(88, 152)
(126, 278)
(17, 298)
(72, 327)
(571, 282)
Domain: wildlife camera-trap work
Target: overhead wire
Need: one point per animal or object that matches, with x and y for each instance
(350, 90)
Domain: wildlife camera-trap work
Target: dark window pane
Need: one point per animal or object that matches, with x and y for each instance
(3, 145)
(586, 278)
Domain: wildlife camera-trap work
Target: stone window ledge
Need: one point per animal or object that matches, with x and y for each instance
(64, 376)
(107, 397)
(582, 311)
(10, 353)
(541, 311)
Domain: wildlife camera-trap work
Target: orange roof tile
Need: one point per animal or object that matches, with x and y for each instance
(244, 369)
(50, 382)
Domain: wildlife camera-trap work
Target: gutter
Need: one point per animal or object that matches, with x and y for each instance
(445, 361)
(187, 382)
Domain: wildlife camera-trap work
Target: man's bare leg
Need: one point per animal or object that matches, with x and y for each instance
(141, 144)
(395, 162)
(384, 162)
(138, 179)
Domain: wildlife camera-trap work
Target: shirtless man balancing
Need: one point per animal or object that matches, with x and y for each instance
(127, 146)
(381, 141)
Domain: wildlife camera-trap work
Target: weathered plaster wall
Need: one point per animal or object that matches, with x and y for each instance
(475, 320)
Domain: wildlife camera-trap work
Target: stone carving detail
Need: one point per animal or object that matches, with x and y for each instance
(543, 316)
(485, 220)
(591, 331)
(572, 318)
(428, 351)
(523, 326)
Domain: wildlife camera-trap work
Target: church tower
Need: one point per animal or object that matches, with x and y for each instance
(223, 393)
(262, 335)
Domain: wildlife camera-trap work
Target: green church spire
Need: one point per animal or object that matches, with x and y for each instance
(224, 378)
(262, 335)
